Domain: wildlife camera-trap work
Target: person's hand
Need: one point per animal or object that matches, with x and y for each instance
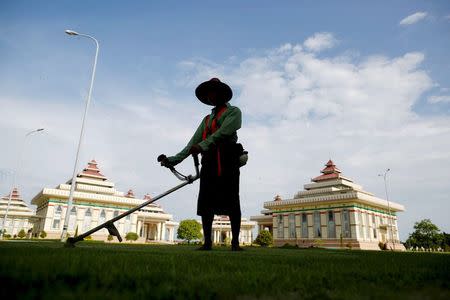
(164, 161)
(195, 149)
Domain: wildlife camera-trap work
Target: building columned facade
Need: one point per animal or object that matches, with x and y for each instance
(221, 230)
(95, 201)
(333, 212)
(19, 216)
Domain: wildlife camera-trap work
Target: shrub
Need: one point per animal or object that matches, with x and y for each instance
(131, 236)
(319, 243)
(264, 238)
(22, 234)
(110, 238)
(88, 238)
(383, 246)
(7, 236)
(43, 234)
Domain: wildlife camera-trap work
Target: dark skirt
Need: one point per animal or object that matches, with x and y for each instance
(219, 194)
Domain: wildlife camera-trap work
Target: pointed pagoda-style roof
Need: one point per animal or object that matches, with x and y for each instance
(277, 198)
(15, 195)
(17, 204)
(147, 197)
(130, 194)
(92, 171)
(329, 172)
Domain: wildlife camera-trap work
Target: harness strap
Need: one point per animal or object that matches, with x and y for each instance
(214, 127)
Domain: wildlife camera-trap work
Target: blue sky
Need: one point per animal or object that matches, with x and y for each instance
(391, 92)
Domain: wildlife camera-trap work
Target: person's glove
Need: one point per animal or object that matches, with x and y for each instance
(164, 161)
(195, 149)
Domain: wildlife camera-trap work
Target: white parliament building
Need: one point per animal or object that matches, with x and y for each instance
(19, 215)
(332, 212)
(95, 201)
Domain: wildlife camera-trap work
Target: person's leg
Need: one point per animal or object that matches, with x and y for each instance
(235, 220)
(207, 221)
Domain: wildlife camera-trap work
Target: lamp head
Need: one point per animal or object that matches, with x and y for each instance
(71, 32)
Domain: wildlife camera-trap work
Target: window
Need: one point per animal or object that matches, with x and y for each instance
(346, 232)
(317, 229)
(102, 219)
(304, 225)
(280, 228)
(361, 228)
(73, 218)
(367, 226)
(331, 225)
(374, 226)
(57, 217)
(127, 224)
(87, 220)
(292, 226)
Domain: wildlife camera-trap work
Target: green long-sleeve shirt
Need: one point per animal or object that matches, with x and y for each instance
(229, 122)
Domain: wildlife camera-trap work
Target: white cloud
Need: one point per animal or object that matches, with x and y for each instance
(320, 41)
(414, 18)
(299, 111)
(439, 99)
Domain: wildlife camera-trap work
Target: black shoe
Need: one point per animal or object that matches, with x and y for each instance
(205, 247)
(236, 248)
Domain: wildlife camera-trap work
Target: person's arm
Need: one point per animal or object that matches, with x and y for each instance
(196, 138)
(231, 123)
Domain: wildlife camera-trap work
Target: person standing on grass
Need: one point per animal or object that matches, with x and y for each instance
(216, 140)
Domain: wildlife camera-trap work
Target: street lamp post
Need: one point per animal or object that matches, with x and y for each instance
(18, 167)
(74, 174)
(389, 207)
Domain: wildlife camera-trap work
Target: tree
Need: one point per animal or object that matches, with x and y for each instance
(110, 238)
(131, 236)
(264, 238)
(189, 230)
(445, 242)
(43, 234)
(425, 234)
(22, 234)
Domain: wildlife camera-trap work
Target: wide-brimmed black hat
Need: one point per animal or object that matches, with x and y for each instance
(223, 91)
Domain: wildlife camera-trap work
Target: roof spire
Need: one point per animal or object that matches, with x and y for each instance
(92, 171)
(130, 194)
(15, 195)
(329, 172)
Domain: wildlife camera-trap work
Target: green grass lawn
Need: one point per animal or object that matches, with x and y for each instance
(46, 270)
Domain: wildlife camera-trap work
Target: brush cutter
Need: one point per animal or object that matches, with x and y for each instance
(109, 225)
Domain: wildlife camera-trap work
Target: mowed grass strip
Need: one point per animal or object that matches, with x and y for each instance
(47, 270)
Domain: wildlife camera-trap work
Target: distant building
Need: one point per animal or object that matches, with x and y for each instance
(19, 217)
(332, 212)
(95, 201)
(221, 230)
